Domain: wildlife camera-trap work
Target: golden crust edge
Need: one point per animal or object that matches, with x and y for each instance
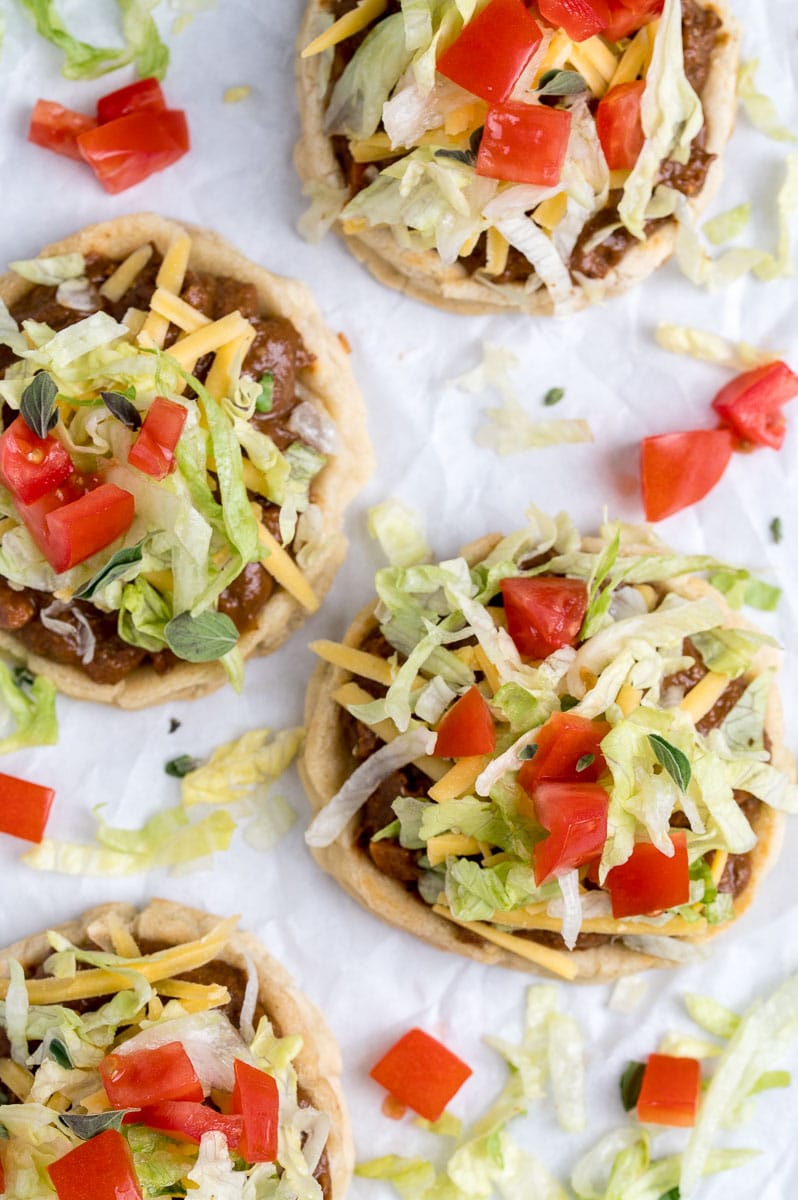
(318, 1063)
(422, 275)
(323, 767)
(332, 384)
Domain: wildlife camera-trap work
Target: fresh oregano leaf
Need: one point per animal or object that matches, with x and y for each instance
(469, 156)
(631, 1082)
(24, 678)
(123, 409)
(117, 564)
(181, 766)
(567, 702)
(528, 751)
(200, 639)
(776, 530)
(37, 406)
(584, 762)
(59, 1053)
(89, 1125)
(553, 396)
(675, 762)
(673, 1194)
(561, 83)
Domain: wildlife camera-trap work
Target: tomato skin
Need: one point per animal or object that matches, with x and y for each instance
(57, 128)
(144, 95)
(627, 16)
(145, 1076)
(524, 143)
(129, 149)
(493, 50)
(649, 881)
(670, 1091)
(575, 815)
(24, 808)
(679, 469)
(561, 742)
(421, 1073)
(106, 1161)
(751, 404)
(187, 1119)
(467, 728)
(153, 451)
(619, 126)
(580, 19)
(76, 530)
(543, 613)
(31, 466)
(255, 1096)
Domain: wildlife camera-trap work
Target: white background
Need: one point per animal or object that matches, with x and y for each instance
(372, 982)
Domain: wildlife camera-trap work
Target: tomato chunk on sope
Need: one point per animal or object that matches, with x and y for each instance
(31, 466)
(650, 881)
(575, 815)
(188, 1120)
(145, 1076)
(627, 16)
(421, 1073)
(256, 1098)
(106, 1161)
(543, 613)
(619, 125)
(670, 1091)
(580, 19)
(467, 728)
(153, 451)
(568, 748)
(524, 143)
(492, 51)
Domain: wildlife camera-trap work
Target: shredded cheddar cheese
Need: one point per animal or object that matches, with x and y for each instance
(705, 695)
(350, 23)
(558, 962)
(440, 847)
(126, 274)
(282, 567)
(171, 274)
(459, 779)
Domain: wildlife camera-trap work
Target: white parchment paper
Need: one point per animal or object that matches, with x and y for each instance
(372, 982)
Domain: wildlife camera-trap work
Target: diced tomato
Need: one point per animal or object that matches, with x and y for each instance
(575, 814)
(101, 1167)
(627, 16)
(544, 613)
(467, 728)
(649, 881)
(24, 808)
(57, 128)
(146, 1076)
(562, 743)
(144, 95)
(31, 466)
(255, 1096)
(524, 143)
(580, 19)
(34, 516)
(153, 451)
(679, 469)
(68, 533)
(132, 148)
(619, 127)
(670, 1091)
(421, 1073)
(186, 1119)
(751, 404)
(492, 51)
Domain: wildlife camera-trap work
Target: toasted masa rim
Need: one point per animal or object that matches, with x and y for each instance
(331, 384)
(326, 764)
(318, 1063)
(422, 274)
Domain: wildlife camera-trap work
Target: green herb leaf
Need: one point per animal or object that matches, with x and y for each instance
(24, 678)
(37, 406)
(675, 762)
(584, 762)
(553, 396)
(528, 751)
(741, 587)
(200, 639)
(567, 702)
(631, 1082)
(120, 407)
(469, 156)
(181, 766)
(673, 1194)
(174, 724)
(117, 564)
(561, 83)
(90, 1124)
(264, 402)
(59, 1053)
(776, 531)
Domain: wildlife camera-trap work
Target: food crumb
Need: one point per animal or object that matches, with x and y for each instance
(174, 724)
(234, 95)
(344, 340)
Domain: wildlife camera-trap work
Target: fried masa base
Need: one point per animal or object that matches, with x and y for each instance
(423, 275)
(326, 763)
(331, 385)
(318, 1064)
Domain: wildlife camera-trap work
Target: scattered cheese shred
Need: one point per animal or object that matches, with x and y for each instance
(234, 95)
(184, 316)
(487, 668)
(125, 275)
(460, 778)
(719, 864)
(171, 274)
(704, 696)
(522, 918)
(16, 1078)
(195, 997)
(359, 662)
(351, 693)
(282, 567)
(551, 211)
(122, 939)
(208, 339)
(558, 962)
(225, 373)
(628, 698)
(97, 1102)
(634, 58)
(497, 250)
(350, 23)
(440, 847)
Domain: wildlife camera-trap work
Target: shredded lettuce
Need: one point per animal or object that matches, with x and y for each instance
(511, 430)
(728, 225)
(710, 347)
(355, 106)
(400, 533)
(30, 702)
(142, 42)
(759, 108)
(238, 768)
(741, 587)
(49, 272)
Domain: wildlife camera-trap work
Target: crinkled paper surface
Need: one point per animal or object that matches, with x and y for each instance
(373, 982)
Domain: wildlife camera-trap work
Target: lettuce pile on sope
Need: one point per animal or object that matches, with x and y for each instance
(561, 739)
